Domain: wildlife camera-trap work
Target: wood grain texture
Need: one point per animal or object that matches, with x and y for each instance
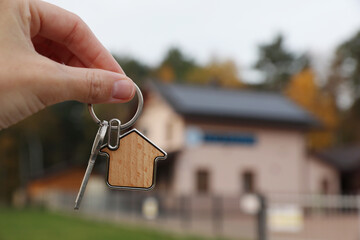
(132, 164)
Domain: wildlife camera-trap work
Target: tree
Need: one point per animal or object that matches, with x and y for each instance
(349, 131)
(345, 69)
(278, 64)
(345, 77)
(303, 90)
(219, 73)
(175, 65)
(134, 69)
(166, 73)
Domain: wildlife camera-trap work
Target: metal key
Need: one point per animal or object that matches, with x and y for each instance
(99, 139)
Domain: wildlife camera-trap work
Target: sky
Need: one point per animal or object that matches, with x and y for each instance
(226, 29)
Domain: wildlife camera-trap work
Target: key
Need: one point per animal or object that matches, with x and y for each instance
(98, 142)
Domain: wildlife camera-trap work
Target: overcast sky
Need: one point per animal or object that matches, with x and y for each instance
(145, 29)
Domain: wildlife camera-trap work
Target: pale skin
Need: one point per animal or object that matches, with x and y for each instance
(49, 55)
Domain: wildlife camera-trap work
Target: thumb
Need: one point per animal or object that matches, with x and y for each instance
(89, 86)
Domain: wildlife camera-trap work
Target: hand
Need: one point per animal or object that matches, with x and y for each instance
(49, 55)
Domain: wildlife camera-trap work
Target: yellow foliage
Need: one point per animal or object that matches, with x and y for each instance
(303, 90)
(166, 73)
(222, 73)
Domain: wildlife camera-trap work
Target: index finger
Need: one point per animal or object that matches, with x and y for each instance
(68, 29)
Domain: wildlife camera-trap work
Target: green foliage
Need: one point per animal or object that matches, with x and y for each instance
(278, 64)
(345, 74)
(38, 225)
(9, 166)
(346, 66)
(58, 136)
(134, 69)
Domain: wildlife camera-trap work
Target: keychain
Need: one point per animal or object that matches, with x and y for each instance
(131, 157)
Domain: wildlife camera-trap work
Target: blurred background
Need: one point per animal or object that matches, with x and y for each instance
(257, 104)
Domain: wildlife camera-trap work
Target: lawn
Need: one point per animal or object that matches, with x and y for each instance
(32, 224)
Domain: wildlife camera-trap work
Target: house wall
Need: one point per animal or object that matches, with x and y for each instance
(318, 172)
(161, 124)
(276, 160)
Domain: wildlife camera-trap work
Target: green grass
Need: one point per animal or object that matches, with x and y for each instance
(33, 224)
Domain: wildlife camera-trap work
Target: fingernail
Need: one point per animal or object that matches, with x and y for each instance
(123, 89)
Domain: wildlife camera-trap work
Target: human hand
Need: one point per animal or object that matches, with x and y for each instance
(49, 55)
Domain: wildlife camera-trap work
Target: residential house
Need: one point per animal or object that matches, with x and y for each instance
(229, 142)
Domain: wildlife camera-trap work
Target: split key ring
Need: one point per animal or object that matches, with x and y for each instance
(135, 117)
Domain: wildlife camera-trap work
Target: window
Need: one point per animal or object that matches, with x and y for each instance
(248, 182)
(202, 181)
(325, 186)
(242, 138)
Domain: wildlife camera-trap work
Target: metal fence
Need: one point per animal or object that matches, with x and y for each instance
(288, 217)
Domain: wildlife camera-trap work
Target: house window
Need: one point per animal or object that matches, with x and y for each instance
(248, 182)
(325, 186)
(239, 138)
(202, 181)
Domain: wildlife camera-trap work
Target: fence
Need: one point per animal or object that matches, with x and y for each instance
(289, 217)
(315, 217)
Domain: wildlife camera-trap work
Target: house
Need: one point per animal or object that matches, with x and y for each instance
(63, 180)
(229, 142)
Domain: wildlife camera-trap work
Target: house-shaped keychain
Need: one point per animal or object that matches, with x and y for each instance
(132, 165)
(131, 161)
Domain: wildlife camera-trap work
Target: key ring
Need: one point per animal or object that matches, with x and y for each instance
(129, 123)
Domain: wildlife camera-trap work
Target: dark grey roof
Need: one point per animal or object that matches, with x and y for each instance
(343, 158)
(211, 102)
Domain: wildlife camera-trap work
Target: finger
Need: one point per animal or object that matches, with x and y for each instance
(56, 52)
(68, 29)
(86, 85)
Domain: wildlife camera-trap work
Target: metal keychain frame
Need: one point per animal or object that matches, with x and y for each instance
(154, 167)
(129, 123)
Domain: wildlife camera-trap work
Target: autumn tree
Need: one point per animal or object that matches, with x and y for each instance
(166, 73)
(303, 90)
(221, 73)
(175, 66)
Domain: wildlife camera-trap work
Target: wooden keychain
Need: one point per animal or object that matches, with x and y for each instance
(131, 161)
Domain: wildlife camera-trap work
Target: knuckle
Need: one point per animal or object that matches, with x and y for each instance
(95, 86)
(73, 34)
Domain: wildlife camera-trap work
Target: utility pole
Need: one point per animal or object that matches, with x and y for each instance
(261, 219)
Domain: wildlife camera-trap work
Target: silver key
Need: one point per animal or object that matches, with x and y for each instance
(99, 139)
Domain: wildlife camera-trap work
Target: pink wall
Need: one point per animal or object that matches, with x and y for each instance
(276, 160)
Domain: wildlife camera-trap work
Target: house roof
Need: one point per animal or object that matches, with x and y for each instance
(238, 105)
(67, 180)
(343, 158)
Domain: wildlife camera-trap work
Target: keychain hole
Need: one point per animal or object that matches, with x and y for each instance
(114, 134)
